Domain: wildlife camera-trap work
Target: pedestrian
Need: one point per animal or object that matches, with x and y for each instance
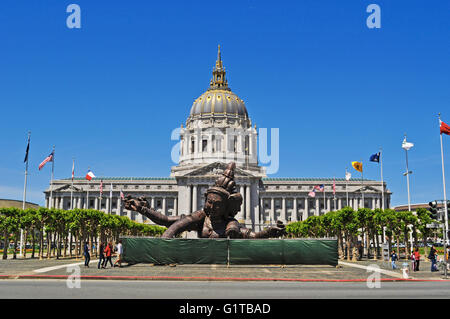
(394, 258)
(87, 255)
(102, 255)
(416, 258)
(119, 254)
(432, 257)
(413, 260)
(108, 254)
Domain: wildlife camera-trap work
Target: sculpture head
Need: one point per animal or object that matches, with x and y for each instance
(222, 201)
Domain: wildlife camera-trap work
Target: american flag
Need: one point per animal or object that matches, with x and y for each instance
(319, 188)
(121, 195)
(312, 193)
(47, 159)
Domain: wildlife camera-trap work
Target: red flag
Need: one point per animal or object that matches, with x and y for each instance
(73, 170)
(334, 186)
(121, 195)
(444, 128)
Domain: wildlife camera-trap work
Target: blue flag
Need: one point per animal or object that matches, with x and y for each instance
(375, 157)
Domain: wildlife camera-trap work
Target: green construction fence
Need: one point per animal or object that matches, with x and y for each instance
(230, 251)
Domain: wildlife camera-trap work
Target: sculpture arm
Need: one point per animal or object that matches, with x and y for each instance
(269, 232)
(189, 222)
(142, 206)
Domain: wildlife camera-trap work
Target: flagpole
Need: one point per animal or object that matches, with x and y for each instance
(362, 183)
(407, 179)
(445, 203)
(71, 190)
(382, 181)
(51, 179)
(87, 194)
(110, 200)
(346, 184)
(24, 193)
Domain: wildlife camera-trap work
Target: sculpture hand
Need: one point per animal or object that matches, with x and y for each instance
(278, 230)
(133, 203)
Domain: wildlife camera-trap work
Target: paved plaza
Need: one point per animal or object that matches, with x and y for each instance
(345, 271)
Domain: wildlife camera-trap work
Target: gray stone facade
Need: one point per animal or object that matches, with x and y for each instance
(218, 130)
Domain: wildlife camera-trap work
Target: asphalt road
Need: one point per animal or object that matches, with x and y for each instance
(111, 289)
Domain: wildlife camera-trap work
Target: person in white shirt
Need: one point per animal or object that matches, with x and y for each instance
(119, 254)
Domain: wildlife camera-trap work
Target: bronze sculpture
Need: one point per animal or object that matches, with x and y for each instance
(216, 220)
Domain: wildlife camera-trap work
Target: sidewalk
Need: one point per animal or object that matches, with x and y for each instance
(347, 271)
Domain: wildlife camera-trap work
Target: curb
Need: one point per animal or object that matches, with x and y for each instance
(149, 278)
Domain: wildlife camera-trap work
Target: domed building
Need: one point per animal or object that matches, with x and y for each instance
(218, 130)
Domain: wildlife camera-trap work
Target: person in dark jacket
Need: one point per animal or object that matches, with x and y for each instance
(432, 258)
(394, 258)
(87, 255)
(102, 255)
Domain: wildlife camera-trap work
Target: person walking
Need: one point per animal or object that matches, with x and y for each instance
(394, 258)
(119, 254)
(108, 254)
(416, 259)
(432, 258)
(87, 255)
(102, 255)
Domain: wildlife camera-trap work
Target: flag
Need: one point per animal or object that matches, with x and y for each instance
(73, 170)
(334, 186)
(89, 175)
(407, 145)
(121, 195)
(319, 188)
(375, 157)
(357, 166)
(26, 152)
(312, 193)
(101, 188)
(46, 160)
(348, 176)
(444, 128)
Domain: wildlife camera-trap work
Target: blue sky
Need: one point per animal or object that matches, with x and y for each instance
(110, 94)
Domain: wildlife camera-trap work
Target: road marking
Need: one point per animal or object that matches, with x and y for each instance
(47, 269)
(386, 272)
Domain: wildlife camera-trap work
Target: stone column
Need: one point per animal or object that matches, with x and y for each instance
(373, 203)
(175, 206)
(194, 198)
(189, 187)
(317, 207)
(96, 203)
(340, 203)
(152, 201)
(283, 210)
(306, 209)
(328, 208)
(119, 206)
(107, 205)
(247, 204)
(272, 210)
(163, 209)
(240, 215)
(294, 211)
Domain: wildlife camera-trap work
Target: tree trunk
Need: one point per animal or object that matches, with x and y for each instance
(49, 244)
(33, 243)
(5, 245)
(25, 234)
(355, 249)
(41, 244)
(398, 246)
(15, 246)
